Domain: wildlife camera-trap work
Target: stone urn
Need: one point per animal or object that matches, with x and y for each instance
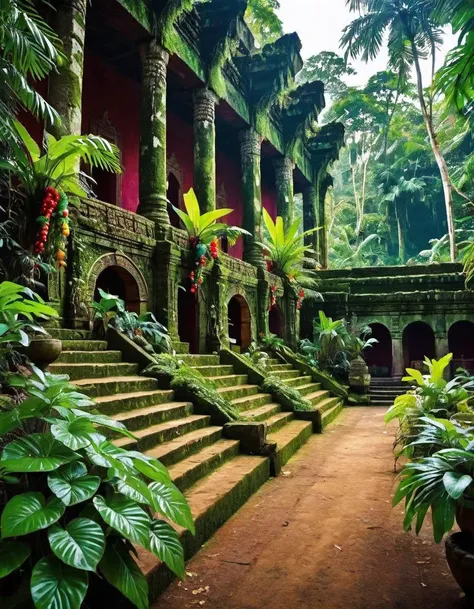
(359, 377)
(460, 557)
(465, 519)
(43, 350)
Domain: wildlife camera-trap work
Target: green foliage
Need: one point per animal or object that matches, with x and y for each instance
(263, 21)
(289, 397)
(90, 497)
(330, 68)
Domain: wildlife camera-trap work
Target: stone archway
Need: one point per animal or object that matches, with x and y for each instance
(461, 345)
(418, 342)
(117, 274)
(188, 325)
(239, 318)
(379, 356)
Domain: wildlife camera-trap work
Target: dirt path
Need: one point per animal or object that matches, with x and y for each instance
(322, 536)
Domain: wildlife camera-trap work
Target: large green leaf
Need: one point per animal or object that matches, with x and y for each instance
(192, 207)
(442, 513)
(72, 483)
(12, 555)
(29, 512)
(122, 572)
(39, 452)
(170, 501)
(133, 487)
(165, 543)
(81, 544)
(456, 483)
(55, 585)
(125, 516)
(74, 434)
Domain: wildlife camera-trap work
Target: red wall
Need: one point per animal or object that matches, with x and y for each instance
(269, 200)
(179, 143)
(106, 89)
(229, 181)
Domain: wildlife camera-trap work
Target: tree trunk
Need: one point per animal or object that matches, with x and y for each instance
(440, 160)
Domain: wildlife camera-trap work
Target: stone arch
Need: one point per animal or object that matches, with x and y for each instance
(379, 357)
(117, 270)
(239, 322)
(461, 344)
(418, 342)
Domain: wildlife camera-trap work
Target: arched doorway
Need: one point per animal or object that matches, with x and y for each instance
(120, 282)
(418, 343)
(461, 345)
(275, 321)
(173, 194)
(188, 319)
(240, 333)
(379, 357)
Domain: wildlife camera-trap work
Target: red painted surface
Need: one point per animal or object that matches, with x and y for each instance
(107, 90)
(269, 200)
(229, 186)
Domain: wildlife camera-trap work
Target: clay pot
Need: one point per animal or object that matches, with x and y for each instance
(359, 377)
(465, 519)
(460, 556)
(43, 351)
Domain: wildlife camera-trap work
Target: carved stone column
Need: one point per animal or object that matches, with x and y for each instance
(250, 145)
(65, 85)
(153, 204)
(205, 149)
(398, 365)
(310, 218)
(284, 189)
(441, 344)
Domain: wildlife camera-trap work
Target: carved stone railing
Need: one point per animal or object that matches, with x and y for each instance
(239, 268)
(179, 237)
(112, 220)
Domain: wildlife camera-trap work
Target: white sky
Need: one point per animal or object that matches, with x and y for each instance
(319, 24)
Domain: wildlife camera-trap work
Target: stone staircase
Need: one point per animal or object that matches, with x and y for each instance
(384, 390)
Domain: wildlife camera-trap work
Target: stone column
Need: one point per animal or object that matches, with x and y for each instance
(250, 145)
(153, 179)
(205, 149)
(441, 344)
(65, 85)
(398, 367)
(284, 189)
(321, 221)
(310, 218)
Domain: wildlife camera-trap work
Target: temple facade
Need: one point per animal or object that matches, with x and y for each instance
(181, 88)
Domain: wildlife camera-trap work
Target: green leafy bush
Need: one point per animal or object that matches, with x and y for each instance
(287, 396)
(74, 503)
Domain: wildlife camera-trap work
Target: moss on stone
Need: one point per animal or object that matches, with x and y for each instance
(287, 396)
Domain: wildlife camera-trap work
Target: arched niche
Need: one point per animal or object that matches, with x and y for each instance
(239, 319)
(188, 325)
(461, 345)
(117, 274)
(418, 342)
(275, 321)
(379, 356)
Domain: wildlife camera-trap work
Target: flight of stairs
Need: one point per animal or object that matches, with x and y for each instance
(384, 390)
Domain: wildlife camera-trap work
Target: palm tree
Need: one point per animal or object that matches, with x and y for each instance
(413, 34)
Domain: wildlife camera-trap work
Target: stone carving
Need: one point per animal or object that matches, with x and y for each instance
(111, 219)
(205, 106)
(120, 260)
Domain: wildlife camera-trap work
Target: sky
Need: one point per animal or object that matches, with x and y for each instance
(319, 24)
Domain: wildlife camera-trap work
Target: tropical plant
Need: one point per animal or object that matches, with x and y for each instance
(107, 308)
(358, 340)
(263, 21)
(329, 336)
(310, 352)
(75, 502)
(204, 233)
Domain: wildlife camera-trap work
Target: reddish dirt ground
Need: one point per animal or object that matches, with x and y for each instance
(322, 536)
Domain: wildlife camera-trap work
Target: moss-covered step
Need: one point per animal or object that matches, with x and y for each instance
(184, 446)
(290, 438)
(307, 388)
(97, 387)
(238, 391)
(69, 334)
(126, 402)
(85, 357)
(278, 420)
(91, 371)
(187, 471)
(153, 415)
(84, 345)
(249, 402)
(285, 375)
(230, 380)
(163, 432)
(316, 397)
(279, 367)
(200, 360)
(296, 381)
(262, 413)
(180, 348)
(221, 370)
(329, 415)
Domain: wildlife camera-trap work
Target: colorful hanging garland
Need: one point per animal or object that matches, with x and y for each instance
(299, 302)
(273, 300)
(54, 222)
(202, 255)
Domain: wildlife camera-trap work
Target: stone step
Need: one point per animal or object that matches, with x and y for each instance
(386, 403)
(278, 420)
(285, 375)
(326, 404)
(278, 367)
(262, 413)
(189, 470)
(184, 446)
(87, 371)
(163, 432)
(70, 334)
(128, 402)
(220, 370)
(385, 394)
(308, 388)
(180, 348)
(153, 415)
(84, 345)
(230, 380)
(329, 416)
(112, 385)
(290, 438)
(239, 391)
(315, 397)
(297, 380)
(250, 402)
(89, 357)
(199, 360)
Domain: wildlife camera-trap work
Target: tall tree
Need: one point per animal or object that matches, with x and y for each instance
(413, 34)
(263, 21)
(329, 67)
